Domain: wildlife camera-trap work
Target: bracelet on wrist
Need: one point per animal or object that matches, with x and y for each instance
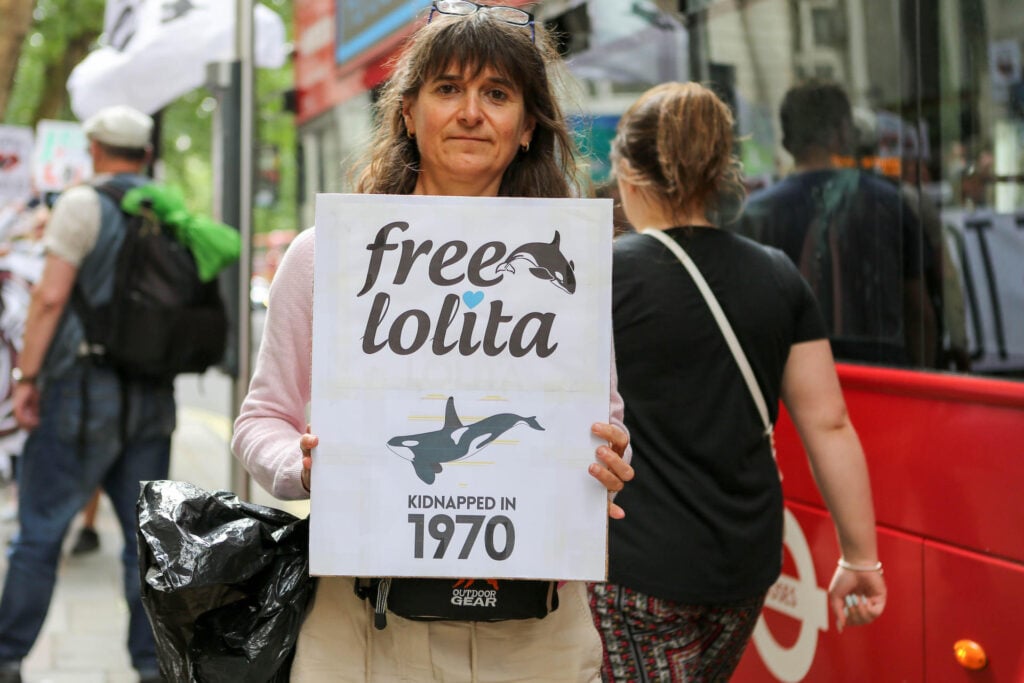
(876, 567)
(20, 377)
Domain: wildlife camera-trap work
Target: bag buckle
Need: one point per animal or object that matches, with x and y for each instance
(380, 606)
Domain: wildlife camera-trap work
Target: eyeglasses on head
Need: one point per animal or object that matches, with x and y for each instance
(463, 8)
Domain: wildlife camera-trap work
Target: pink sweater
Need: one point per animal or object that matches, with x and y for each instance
(273, 415)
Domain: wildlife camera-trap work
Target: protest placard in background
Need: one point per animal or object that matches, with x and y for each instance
(15, 163)
(461, 352)
(61, 156)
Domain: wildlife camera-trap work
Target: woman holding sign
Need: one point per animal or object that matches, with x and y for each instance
(690, 567)
(470, 111)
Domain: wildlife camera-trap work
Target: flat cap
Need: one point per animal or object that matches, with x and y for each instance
(119, 126)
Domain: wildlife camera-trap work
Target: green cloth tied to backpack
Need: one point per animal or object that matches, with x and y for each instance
(213, 245)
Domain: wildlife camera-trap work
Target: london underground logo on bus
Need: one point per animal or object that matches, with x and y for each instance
(800, 598)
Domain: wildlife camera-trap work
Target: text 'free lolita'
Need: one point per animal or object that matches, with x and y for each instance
(451, 264)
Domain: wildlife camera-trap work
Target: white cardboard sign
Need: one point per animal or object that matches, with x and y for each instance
(61, 156)
(461, 351)
(15, 163)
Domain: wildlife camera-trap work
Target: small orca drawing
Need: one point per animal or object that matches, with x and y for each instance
(454, 441)
(546, 262)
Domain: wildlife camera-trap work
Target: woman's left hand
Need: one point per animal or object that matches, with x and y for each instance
(857, 597)
(611, 470)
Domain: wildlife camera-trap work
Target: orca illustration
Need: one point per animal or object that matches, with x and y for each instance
(454, 441)
(546, 262)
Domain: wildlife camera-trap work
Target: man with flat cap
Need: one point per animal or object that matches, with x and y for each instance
(89, 427)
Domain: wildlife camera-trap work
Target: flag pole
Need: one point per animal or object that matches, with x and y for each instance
(244, 56)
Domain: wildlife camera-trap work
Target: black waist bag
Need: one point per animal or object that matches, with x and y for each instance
(458, 599)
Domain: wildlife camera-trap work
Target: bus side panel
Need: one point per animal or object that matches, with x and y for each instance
(970, 596)
(945, 453)
(946, 457)
(796, 638)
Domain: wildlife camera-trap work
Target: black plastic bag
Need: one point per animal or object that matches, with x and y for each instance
(225, 583)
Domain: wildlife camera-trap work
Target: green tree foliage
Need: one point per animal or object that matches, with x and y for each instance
(279, 144)
(17, 15)
(186, 153)
(61, 34)
(187, 144)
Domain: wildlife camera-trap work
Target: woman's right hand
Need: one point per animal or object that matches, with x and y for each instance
(307, 442)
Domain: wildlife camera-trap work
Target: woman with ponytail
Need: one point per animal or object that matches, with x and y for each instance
(690, 566)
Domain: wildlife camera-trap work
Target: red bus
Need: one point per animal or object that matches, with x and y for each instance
(946, 458)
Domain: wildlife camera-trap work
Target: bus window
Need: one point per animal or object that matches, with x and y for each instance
(882, 146)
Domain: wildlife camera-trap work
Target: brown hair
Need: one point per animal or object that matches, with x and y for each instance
(676, 142)
(548, 169)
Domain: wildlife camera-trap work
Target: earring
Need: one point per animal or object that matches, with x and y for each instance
(524, 148)
(411, 136)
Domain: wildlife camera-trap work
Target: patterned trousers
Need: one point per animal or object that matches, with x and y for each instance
(650, 640)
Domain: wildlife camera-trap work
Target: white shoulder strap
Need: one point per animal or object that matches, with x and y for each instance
(723, 323)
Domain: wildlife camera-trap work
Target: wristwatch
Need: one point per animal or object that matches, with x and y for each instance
(20, 377)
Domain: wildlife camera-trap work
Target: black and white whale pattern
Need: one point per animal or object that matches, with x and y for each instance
(454, 441)
(546, 261)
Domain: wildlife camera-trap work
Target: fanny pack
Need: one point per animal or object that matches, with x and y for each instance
(458, 599)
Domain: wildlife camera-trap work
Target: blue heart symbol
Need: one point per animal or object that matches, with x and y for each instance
(472, 298)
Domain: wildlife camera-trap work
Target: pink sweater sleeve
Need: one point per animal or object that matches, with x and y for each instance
(617, 407)
(273, 415)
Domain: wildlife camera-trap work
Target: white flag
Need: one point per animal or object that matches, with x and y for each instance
(120, 22)
(157, 50)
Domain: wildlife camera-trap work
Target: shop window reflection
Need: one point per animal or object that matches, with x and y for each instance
(850, 232)
(937, 91)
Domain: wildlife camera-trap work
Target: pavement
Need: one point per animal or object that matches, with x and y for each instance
(83, 638)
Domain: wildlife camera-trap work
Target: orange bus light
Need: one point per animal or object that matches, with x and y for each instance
(970, 655)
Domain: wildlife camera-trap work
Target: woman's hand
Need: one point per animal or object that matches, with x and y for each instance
(611, 470)
(307, 442)
(857, 597)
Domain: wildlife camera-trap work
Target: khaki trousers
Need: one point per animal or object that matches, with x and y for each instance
(338, 643)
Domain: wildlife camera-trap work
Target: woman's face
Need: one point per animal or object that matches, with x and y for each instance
(468, 130)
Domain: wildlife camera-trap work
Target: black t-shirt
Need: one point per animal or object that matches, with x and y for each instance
(704, 514)
(857, 243)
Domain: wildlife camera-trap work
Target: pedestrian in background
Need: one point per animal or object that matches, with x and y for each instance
(831, 220)
(690, 566)
(21, 264)
(89, 427)
(470, 110)
(88, 539)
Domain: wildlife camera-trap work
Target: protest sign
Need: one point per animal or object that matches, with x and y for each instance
(15, 163)
(61, 155)
(461, 352)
